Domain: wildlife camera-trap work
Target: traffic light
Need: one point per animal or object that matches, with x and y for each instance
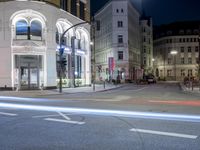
(63, 62)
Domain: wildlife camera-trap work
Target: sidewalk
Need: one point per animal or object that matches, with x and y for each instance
(195, 90)
(38, 93)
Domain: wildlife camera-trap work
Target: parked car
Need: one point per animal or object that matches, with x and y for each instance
(150, 79)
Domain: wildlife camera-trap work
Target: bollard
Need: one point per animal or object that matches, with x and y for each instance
(104, 85)
(192, 86)
(93, 86)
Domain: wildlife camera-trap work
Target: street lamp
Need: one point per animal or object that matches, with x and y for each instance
(174, 53)
(153, 65)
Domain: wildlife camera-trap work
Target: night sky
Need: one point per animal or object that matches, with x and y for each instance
(163, 11)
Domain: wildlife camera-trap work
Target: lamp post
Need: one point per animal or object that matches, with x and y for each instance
(61, 54)
(153, 60)
(199, 58)
(174, 53)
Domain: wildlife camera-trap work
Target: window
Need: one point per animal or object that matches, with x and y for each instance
(189, 49)
(196, 49)
(169, 50)
(120, 55)
(144, 39)
(21, 29)
(122, 10)
(182, 60)
(120, 38)
(82, 10)
(182, 49)
(189, 60)
(169, 61)
(36, 30)
(63, 4)
(144, 61)
(73, 8)
(169, 73)
(120, 24)
(78, 66)
(144, 29)
(180, 40)
(197, 60)
(144, 50)
(117, 10)
(182, 72)
(183, 39)
(57, 36)
(190, 72)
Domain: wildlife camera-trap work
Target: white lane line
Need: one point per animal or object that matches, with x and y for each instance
(165, 133)
(44, 116)
(139, 89)
(64, 116)
(64, 121)
(7, 114)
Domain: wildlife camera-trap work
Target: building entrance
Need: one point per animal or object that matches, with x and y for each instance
(29, 70)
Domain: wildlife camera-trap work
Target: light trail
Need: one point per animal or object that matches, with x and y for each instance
(102, 112)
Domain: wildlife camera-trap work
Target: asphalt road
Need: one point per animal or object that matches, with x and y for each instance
(151, 117)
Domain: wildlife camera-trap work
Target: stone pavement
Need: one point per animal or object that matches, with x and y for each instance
(194, 90)
(39, 93)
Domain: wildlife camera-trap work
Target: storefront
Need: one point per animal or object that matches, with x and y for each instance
(29, 38)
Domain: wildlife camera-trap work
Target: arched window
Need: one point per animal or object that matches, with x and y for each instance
(36, 30)
(21, 29)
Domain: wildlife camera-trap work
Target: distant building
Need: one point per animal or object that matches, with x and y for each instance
(176, 50)
(117, 41)
(30, 34)
(147, 59)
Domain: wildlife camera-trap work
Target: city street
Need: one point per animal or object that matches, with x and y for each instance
(139, 117)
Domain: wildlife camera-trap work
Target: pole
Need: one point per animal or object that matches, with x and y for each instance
(93, 48)
(73, 63)
(199, 58)
(175, 66)
(60, 54)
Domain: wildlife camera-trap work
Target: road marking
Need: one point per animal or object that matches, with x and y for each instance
(65, 121)
(64, 116)
(104, 112)
(139, 89)
(165, 133)
(44, 116)
(7, 114)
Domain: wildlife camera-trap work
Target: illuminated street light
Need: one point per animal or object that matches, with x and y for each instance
(173, 52)
(91, 43)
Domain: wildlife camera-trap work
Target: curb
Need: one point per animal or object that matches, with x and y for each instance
(185, 90)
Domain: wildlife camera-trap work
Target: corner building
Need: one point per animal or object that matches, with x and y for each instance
(117, 41)
(29, 43)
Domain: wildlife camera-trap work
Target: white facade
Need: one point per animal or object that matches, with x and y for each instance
(117, 41)
(28, 44)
